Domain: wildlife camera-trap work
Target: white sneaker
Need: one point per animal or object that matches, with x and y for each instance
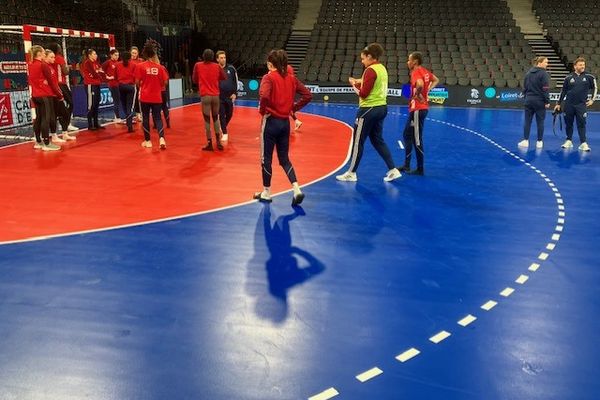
(50, 147)
(147, 144)
(56, 139)
(539, 144)
(584, 147)
(392, 175)
(117, 120)
(523, 143)
(297, 124)
(567, 144)
(347, 177)
(38, 145)
(66, 136)
(162, 142)
(72, 128)
(224, 137)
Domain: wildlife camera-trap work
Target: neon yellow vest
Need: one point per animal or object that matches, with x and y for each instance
(378, 95)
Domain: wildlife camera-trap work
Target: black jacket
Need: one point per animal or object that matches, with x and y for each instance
(536, 85)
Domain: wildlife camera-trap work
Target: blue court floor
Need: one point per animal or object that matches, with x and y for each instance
(270, 302)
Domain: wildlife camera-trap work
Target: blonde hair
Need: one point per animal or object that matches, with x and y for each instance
(35, 50)
(538, 60)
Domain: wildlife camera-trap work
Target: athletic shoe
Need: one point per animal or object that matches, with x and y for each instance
(56, 139)
(101, 127)
(92, 128)
(347, 177)
(50, 147)
(66, 136)
(220, 146)
(416, 171)
(584, 147)
(72, 128)
(147, 144)
(225, 137)
(208, 147)
(163, 143)
(297, 124)
(539, 144)
(523, 143)
(297, 199)
(392, 174)
(262, 197)
(38, 145)
(567, 144)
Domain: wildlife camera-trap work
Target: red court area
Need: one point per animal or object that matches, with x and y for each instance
(107, 179)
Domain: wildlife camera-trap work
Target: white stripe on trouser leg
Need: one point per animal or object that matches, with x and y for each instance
(416, 127)
(359, 127)
(134, 97)
(90, 97)
(262, 144)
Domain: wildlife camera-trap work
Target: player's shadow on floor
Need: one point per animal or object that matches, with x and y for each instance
(287, 265)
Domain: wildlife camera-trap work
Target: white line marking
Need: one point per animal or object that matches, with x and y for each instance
(559, 228)
(325, 394)
(550, 246)
(561, 221)
(561, 207)
(370, 374)
(400, 144)
(443, 335)
(408, 354)
(522, 279)
(534, 267)
(559, 201)
(467, 320)
(556, 237)
(561, 214)
(543, 256)
(507, 292)
(489, 305)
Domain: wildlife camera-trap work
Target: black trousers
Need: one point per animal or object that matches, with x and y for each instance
(116, 96)
(413, 138)
(276, 135)
(44, 115)
(165, 106)
(369, 124)
(127, 95)
(64, 115)
(93, 102)
(155, 109)
(538, 108)
(576, 112)
(225, 113)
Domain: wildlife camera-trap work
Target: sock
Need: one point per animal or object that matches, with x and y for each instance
(266, 192)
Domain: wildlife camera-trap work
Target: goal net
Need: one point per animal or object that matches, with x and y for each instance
(16, 114)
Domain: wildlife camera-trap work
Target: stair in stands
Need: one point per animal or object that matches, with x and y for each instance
(297, 46)
(542, 47)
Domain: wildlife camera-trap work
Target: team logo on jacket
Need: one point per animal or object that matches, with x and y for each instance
(572, 80)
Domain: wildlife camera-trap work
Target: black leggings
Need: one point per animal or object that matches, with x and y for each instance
(127, 94)
(413, 137)
(538, 108)
(93, 98)
(165, 107)
(65, 113)
(369, 124)
(44, 115)
(276, 135)
(146, 109)
(225, 113)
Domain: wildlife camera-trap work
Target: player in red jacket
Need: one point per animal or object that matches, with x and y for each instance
(44, 90)
(207, 74)
(277, 92)
(92, 79)
(127, 88)
(110, 69)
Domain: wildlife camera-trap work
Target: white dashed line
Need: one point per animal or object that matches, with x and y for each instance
(408, 354)
(550, 246)
(489, 305)
(437, 338)
(543, 256)
(534, 267)
(370, 374)
(467, 320)
(507, 292)
(522, 279)
(325, 394)
(556, 237)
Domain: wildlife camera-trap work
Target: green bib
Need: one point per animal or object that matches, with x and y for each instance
(378, 95)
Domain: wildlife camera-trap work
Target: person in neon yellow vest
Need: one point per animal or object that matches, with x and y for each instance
(372, 91)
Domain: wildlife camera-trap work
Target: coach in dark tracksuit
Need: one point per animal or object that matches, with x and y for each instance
(575, 92)
(227, 92)
(536, 86)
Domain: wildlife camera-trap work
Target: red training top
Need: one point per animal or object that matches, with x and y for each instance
(41, 81)
(277, 94)
(423, 74)
(152, 79)
(207, 75)
(126, 74)
(110, 69)
(91, 72)
(59, 63)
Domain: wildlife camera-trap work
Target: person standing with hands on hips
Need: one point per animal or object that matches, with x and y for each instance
(575, 90)
(277, 91)
(536, 86)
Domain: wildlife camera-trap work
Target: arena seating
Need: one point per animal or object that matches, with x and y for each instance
(574, 30)
(247, 30)
(464, 42)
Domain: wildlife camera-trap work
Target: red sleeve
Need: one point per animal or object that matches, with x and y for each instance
(368, 82)
(264, 94)
(305, 95)
(222, 74)
(48, 75)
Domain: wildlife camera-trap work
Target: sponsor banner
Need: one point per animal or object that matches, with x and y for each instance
(80, 100)
(15, 109)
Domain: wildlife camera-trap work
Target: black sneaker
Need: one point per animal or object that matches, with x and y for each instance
(297, 199)
(220, 146)
(92, 128)
(416, 171)
(208, 147)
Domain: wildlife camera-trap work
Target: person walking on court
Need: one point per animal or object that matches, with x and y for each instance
(575, 91)
(227, 93)
(278, 89)
(536, 86)
(421, 82)
(372, 91)
(207, 75)
(127, 90)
